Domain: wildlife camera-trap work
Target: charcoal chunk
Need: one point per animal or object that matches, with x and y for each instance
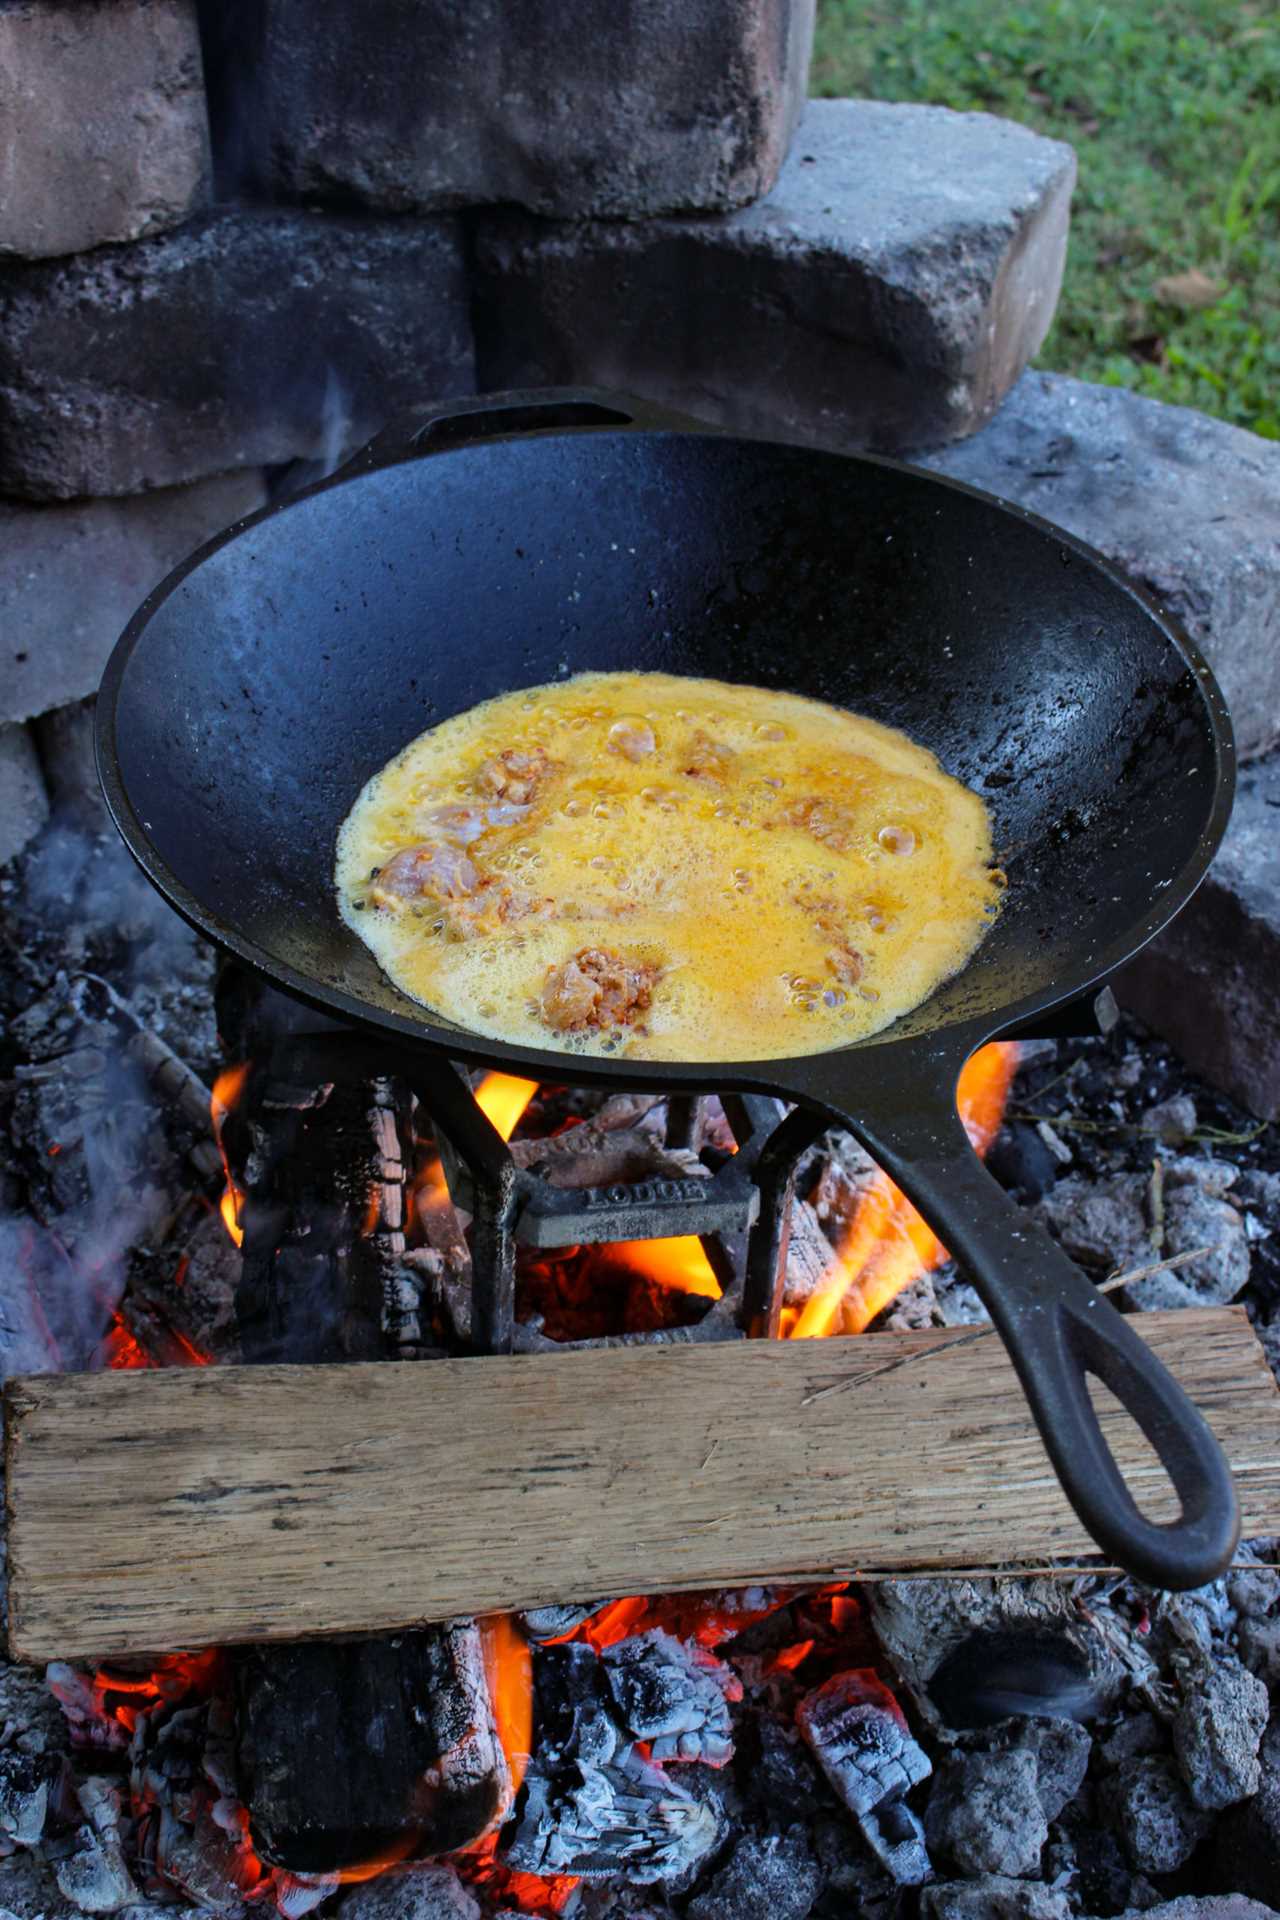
(1061, 1750)
(767, 1877)
(1247, 1840)
(985, 1814)
(425, 1892)
(1217, 1732)
(997, 1898)
(1158, 1821)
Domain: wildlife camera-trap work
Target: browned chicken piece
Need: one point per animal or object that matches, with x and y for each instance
(634, 739)
(597, 988)
(708, 759)
(514, 775)
(424, 873)
(829, 823)
(846, 964)
(463, 825)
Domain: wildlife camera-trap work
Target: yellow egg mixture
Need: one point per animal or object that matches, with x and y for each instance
(667, 868)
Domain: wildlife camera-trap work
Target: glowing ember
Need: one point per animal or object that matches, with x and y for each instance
(175, 1677)
(528, 1892)
(887, 1244)
(120, 1350)
(503, 1098)
(227, 1089)
(707, 1618)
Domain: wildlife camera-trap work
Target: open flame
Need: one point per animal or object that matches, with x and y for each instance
(227, 1089)
(887, 1245)
(503, 1098)
(509, 1666)
(680, 1263)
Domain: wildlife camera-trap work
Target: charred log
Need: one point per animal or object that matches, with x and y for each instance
(367, 1749)
(348, 1751)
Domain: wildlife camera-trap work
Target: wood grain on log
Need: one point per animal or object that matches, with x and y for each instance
(181, 1509)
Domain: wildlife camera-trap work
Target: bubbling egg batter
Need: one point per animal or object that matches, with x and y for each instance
(667, 868)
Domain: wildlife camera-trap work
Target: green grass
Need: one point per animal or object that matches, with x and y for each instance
(1174, 111)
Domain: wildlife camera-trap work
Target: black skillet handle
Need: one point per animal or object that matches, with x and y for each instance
(485, 416)
(1054, 1322)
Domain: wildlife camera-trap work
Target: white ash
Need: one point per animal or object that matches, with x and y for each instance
(1100, 1223)
(675, 1696)
(620, 1817)
(92, 1872)
(861, 1742)
(594, 1806)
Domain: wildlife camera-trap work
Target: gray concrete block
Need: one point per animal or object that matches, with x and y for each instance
(24, 804)
(885, 294)
(1208, 982)
(1188, 506)
(566, 107)
(249, 337)
(70, 577)
(105, 130)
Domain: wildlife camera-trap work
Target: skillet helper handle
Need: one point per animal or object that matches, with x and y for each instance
(1057, 1327)
(487, 416)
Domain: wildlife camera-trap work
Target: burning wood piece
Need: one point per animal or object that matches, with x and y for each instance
(369, 1748)
(860, 1738)
(322, 1216)
(973, 1652)
(365, 1749)
(592, 1805)
(93, 1876)
(674, 1696)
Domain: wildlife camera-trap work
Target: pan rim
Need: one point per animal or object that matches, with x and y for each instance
(769, 1074)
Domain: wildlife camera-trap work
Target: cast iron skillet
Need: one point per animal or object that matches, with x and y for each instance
(509, 541)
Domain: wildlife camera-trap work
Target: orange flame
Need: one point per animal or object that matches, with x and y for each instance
(679, 1263)
(399, 1849)
(504, 1098)
(509, 1666)
(227, 1089)
(887, 1244)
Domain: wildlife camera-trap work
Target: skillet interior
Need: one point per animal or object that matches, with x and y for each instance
(259, 689)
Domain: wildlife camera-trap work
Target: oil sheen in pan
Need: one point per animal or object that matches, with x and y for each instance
(667, 868)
